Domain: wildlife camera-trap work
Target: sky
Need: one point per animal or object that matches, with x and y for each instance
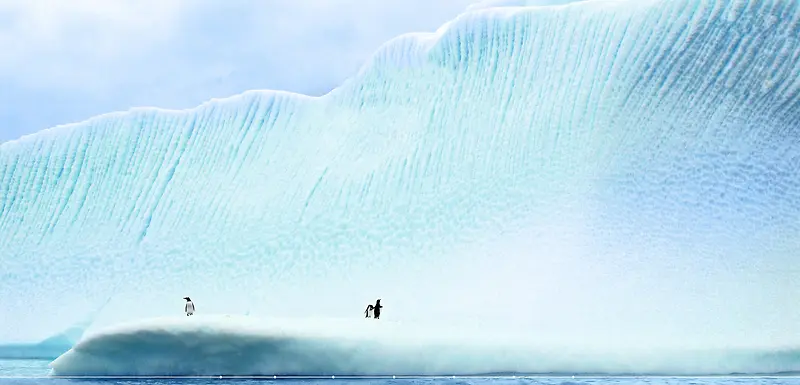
(64, 62)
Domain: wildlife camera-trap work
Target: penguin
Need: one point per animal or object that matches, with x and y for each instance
(376, 310)
(189, 308)
(367, 312)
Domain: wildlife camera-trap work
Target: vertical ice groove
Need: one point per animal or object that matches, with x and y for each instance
(205, 138)
(240, 122)
(12, 191)
(117, 171)
(314, 189)
(76, 167)
(166, 142)
(183, 138)
(252, 130)
(172, 216)
(39, 180)
(123, 175)
(9, 167)
(140, 187)
(263, 118)
(19, 200)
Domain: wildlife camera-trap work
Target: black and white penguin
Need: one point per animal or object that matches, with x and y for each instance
(189, 308)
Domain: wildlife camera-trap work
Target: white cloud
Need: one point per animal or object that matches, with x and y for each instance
(50, 41)
(65, 61)
(517, 3)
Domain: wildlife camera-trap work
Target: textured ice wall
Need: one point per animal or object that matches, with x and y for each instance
(606, 167)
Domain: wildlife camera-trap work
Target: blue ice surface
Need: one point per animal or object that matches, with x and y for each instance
(611, 173)
(229, 345)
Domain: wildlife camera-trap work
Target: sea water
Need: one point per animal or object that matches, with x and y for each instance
(32, 372)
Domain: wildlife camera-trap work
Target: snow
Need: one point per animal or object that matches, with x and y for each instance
(232, 345)
(241, 345)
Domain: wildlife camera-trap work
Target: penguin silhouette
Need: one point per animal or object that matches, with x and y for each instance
(376, 310)
(189, 308)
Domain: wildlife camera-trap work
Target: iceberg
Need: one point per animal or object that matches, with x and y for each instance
(44, 350)
(225, 345)
(49, 348)
(53, 346)
(609, 171)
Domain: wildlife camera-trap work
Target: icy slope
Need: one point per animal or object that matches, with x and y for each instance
(245, 346)
(643, 155)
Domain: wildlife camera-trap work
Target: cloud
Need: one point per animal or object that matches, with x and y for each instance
(55, 43)
(68, 61)
(517, 3)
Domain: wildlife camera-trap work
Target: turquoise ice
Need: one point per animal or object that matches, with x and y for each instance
(618, 172)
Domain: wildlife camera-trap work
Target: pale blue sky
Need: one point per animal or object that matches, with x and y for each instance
(64, 62)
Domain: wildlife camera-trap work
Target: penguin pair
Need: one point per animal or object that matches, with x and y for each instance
(376, 310)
